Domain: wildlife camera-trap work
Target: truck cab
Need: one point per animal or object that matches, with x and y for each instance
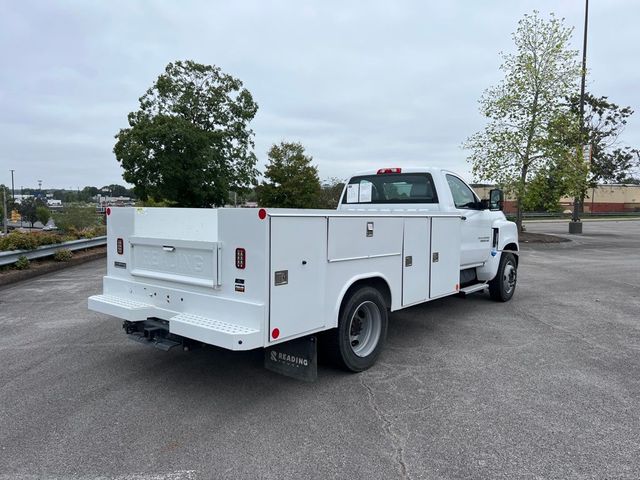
(485, 231)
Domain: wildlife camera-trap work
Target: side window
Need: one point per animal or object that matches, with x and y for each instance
(462, 194)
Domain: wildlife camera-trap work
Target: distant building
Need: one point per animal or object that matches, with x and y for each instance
(114, 201)
(19, 198)
(53, 203)
(104, 202)
(609, 198)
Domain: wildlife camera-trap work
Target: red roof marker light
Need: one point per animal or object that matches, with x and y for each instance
(389, 170)
(262, 214)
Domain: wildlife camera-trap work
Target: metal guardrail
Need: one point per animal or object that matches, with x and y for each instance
(8, 258)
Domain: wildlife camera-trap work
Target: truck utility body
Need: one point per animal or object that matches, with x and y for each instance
(254, 278)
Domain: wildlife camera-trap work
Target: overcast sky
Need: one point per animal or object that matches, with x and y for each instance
(360, 84)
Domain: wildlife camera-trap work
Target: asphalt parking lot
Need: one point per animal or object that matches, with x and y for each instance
(545, 386)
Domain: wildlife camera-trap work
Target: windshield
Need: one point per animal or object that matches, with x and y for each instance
(391, 188)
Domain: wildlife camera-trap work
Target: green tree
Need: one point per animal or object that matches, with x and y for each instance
(571, 174)
(538, 76)
(28, 210)
(189, 142)
(292, 182)
(564, 170)
(42, 214)
(330, 193)
(74, 217)
(604, 122)
(115, 190)
(88, 193)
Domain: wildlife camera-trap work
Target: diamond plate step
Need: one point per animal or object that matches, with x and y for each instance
(215, 332)
(124, 308)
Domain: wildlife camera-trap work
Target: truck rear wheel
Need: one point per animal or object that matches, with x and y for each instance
(362, 329)
(502, 287)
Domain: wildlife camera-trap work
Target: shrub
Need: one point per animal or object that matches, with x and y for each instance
(22, 263)
(88, 232)
(63, 255)
(18, 241)
(45, 238)
(76, 218)
(28, 241)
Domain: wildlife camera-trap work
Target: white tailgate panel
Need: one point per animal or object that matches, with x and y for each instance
(298, 245)
(445, 245)
(348, 238)
(415, 277)
(188, 262)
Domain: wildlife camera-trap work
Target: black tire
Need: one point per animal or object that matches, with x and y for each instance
(362, 330)
(503, 286)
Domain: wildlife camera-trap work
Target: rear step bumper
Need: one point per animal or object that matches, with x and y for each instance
(196, 327)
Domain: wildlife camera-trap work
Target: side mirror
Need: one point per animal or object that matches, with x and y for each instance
(496, 199)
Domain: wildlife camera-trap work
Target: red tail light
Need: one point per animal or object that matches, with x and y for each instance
(241, 258)
(389, 170)
(120, 246)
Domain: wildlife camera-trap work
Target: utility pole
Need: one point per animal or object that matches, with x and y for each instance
(575, 225)
(4, 203)
(13, 192)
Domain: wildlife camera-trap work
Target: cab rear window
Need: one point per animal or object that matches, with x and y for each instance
(390, 188)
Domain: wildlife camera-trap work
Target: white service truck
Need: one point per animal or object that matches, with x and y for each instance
(243, 279)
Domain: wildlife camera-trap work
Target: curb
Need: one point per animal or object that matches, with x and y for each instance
(16, 276)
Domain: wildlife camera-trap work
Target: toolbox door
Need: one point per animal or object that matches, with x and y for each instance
(415, 260)
(445, 256)
(298, 264)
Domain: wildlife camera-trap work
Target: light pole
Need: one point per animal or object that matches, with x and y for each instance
(4, 204)
(575, 225)
(13, 192)
(21, 198)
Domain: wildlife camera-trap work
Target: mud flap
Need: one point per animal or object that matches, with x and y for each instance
(296, 358)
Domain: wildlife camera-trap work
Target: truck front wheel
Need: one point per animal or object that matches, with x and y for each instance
(362, 329)
(502, 287)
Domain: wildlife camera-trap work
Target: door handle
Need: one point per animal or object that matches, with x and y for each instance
(463, 218)
(168, 248)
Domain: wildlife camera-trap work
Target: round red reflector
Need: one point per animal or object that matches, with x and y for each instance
(262, 214)
(275, 333)
(108, 211)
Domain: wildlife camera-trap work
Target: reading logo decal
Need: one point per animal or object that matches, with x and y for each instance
(291, 360)
(295, 358)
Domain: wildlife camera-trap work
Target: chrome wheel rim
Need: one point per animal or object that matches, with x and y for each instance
(509, 277)
(365, 326)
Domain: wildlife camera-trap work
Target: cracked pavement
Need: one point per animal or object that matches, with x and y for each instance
(544, 386)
